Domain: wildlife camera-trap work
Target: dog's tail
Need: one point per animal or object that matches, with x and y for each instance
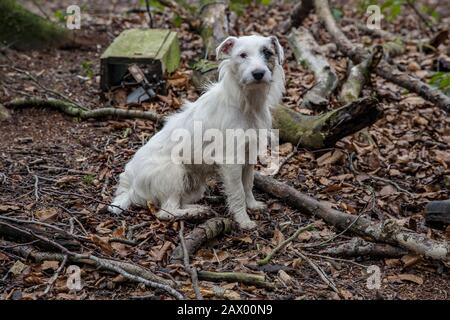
(122, 199)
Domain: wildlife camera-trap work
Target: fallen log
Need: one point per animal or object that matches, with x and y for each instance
(388, 231)
(385, 70)
(308, 54)
(358, 247)
(210, 229)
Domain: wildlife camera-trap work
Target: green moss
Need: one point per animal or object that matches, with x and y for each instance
(22, 29)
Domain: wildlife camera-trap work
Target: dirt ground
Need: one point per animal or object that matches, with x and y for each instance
(58, 167)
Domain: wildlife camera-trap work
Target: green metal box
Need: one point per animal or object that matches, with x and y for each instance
(156, 49)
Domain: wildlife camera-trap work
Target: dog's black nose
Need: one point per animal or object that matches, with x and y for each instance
(258, 74)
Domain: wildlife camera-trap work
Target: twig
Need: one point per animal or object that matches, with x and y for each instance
(421, 16)
(40, 223)
(320, 272)
(190, 269)
(150, 17)
(241, 277)
(110, 266)
(36, 188)
(55, 276)
(56, 93)
(280, 246)
(124, 241)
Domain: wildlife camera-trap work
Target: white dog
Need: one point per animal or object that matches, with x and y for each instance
(251, 80)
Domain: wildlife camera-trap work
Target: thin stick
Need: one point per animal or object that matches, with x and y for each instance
(108, 265)
(190, 269)
(267, 259)
(320, 272)
(36, 187)
(55, 276)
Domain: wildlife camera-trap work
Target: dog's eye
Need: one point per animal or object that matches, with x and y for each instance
(243, 55)
(267, 53)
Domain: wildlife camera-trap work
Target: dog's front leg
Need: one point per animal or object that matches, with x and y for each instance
(247, 181)
(234, 190)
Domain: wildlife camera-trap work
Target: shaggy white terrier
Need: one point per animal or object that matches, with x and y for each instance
(251, 81)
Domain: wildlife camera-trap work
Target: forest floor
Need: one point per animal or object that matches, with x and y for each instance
(54, 167)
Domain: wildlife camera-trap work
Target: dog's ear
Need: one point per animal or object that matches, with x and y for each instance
(278, 49)
(225, 47)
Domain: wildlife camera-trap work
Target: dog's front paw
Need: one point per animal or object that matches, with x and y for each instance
(247, 225)
(256, 205)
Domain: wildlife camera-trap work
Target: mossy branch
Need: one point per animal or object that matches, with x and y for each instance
(83, 113)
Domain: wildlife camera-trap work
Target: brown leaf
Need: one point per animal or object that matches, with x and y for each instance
(387, 190)
(285, 278)
(405, 277)
(66, 180)
(7, 207)
(47, 214)
(330, 158)
(278, 237)
(159, 255)
(50, 265)
(17, 268)
(410, 260)
(103, 243)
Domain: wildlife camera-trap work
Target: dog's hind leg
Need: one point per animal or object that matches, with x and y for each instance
(171, 209)
(122, 198)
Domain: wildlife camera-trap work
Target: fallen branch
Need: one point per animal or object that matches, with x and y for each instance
(190, 269)
(307, 53)
(385, 70)
(211, 229)
(330, 283)
(283, 244)
(55, 276)
(324, 130)
(241, 277)
(82, 113)
(357, 247)
(359, 75)
(388, 231)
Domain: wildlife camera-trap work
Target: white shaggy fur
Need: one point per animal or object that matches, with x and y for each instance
(237, 101)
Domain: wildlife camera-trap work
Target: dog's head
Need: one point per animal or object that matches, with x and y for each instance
(252, 59)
